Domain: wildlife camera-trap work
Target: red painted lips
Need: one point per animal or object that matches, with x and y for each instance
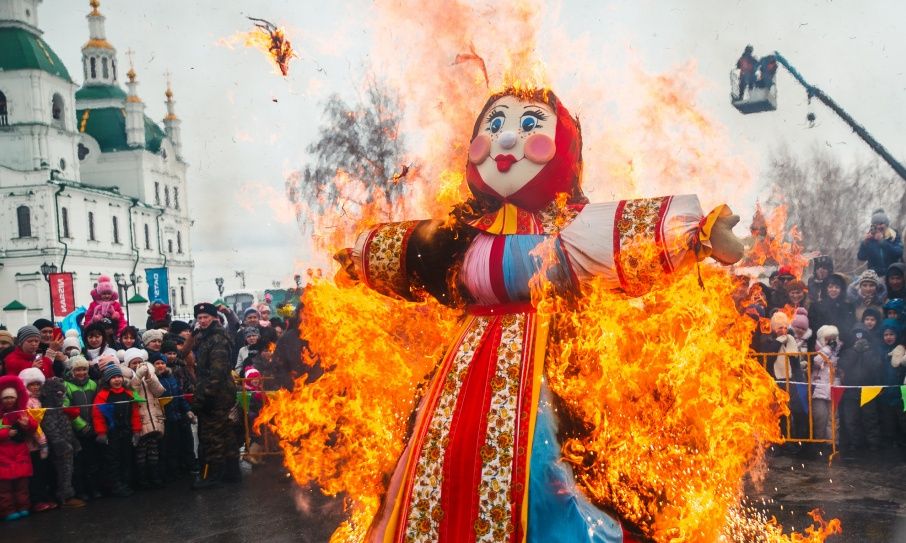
(505, 162)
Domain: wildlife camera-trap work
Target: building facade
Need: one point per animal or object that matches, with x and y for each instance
(90, 184)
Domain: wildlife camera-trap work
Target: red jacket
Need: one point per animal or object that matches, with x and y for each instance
(17, 361)
(15, 461)
(104, 396)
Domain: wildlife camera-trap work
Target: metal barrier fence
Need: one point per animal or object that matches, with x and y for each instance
(269, 445)
(808, 386)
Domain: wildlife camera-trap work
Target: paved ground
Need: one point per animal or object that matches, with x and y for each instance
(869, 496)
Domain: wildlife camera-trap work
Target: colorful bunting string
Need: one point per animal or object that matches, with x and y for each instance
(868, 394)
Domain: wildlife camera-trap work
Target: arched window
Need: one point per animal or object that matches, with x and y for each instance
(4, 120)
(91, 226)
(23, 214)
(157, 192)
(113, 62)
(170, 246)
(182, 295)
(94, 69)
(176, 197)
(179, 242)
(56, 108)
(147, 238)
(104, 71)
(166, 196)
(65, 220)
(116, 229)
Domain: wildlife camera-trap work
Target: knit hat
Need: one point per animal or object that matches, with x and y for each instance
(827, 331)
(31, 375)
(891, 324)
(152, 335)
(71, 341)
(6, 335)
(205, 308)
(251, 372)
(154, 357)
(250, 331)
(9, 393)
(105, 285)
(169, 347)
(176, 327)
(42, 323)
(871, 312)
(133, 353)
(78, 361)
(26, 332)
(870, 276)
(800, 319)
(825, 262)
(110, 371)
(107, 359)
(779, 319)
(878, 216)
(896, 269)
(248, 311)
(786, 272)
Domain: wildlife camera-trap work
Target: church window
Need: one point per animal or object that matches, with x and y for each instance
(167, 196)
(157, 193)
(116, 230)
(182, 295)
(179, 242)
(176, 197)
(56, 107)
(4, 120)
(94, 70)
(104, 70)
(23, 214)
(91, 226)
(64, 213)
(147, 238)
(113, 63)
(170, 246)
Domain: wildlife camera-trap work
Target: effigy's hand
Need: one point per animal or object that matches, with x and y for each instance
(347, 275)
(726, 248)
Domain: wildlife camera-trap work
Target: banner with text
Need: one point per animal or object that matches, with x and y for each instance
(158, 288)
(62, 295)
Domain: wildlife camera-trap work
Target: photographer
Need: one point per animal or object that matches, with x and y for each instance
(882, 245)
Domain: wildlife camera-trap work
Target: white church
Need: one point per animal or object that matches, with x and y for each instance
(90, 185)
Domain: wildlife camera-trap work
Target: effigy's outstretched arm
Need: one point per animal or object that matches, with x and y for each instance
(630, 243)
(408, 259)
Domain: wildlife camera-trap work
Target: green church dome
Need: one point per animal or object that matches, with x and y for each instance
(23, 50)
(100, 92)
(107, 125)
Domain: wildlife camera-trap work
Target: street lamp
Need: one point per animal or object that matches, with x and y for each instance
(124, 286)
(46, 271)
(219, 282)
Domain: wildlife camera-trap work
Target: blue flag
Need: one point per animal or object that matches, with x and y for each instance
(158, 285)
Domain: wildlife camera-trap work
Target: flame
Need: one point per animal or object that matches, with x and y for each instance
(267, 38)
(779, 247)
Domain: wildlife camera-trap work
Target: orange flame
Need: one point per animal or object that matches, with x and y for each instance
(267, 38)
(774, 245)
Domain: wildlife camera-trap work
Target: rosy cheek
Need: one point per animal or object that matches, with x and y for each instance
(479, 149)
(539, 148)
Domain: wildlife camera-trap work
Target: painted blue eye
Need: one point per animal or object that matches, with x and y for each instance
(496, 124)
(528, 123)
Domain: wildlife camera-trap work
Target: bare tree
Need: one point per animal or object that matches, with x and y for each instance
(831, 204)
(361, 141)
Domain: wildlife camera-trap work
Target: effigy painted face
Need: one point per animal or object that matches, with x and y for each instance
(515, 141)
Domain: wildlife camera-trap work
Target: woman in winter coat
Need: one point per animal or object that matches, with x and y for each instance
(15, 460)
(824, 364)
(147, 451)
(834, 309)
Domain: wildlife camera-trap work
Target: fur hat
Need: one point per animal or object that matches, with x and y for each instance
(825, 262)
(110, 371)
(27, 332)
(31, 375)
(250, 331)
(205, 308)
(778, 319)
(13, 382)
(133, 353)
(71, 341)
(827, 331)
(872, 312)
(105, 285)
(151, 335)
(7, 336)
(176, 327)
(800, 319)
(878, 216)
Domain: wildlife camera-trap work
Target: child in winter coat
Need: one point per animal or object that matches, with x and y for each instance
(15, 465)
(61, 439)
(80, 393)
(118, 426)
(96, 347)
(824, 365)
(39, 484)
(178, 456)
(105, 305)
(250, 337)
(893, 419)
(147, 450)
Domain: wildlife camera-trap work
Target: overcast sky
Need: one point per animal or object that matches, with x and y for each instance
(245, 128)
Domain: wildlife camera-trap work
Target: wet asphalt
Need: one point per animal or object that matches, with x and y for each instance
(868, 495)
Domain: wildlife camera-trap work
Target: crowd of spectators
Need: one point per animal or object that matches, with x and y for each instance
(107, 409)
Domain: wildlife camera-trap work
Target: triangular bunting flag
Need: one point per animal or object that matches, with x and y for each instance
(244, 401)
(903, 395)
(165, 401)
(136, 397)
(836, 395)
(869, 394)
(106, 409)
(189, 397)
(802, 392)
(37, 413)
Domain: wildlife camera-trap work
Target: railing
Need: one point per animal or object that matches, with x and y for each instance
(809, 386)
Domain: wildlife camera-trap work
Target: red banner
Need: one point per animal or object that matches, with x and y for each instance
(62, 296)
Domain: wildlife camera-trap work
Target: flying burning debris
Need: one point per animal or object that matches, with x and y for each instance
(269, 39)
(472, 56)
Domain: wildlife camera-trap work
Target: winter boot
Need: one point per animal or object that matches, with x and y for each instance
(210, 477)
(232, 473)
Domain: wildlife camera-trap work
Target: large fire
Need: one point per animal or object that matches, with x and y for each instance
(669, 414)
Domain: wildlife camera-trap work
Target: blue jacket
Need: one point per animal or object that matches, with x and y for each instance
(176, 410)
(881, 254)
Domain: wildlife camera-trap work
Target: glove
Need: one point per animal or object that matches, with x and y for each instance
(135, 438)
(142, 370)
(102, 439)
(45, 452)
(191, 416)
